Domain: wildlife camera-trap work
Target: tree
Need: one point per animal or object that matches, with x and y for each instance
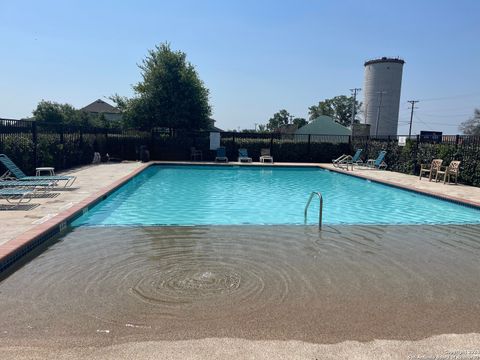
(472, 125)
(55, 113)
(299, 122)
(170, 94)
(279, 119)
(339, 108)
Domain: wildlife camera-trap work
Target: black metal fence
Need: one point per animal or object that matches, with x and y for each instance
(32, 144)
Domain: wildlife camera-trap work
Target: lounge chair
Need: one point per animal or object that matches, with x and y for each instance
(265, 156)
(431, 169)
(195, 154)
(26, 184)
(16, 196)
(243, 156)
(349, 160)
(453, 169)
(13, 171)
(221, 155)
(377, 163)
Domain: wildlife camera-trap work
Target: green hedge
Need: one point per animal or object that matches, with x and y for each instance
(407, 159)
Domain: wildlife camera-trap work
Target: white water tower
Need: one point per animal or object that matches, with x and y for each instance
(383, 83)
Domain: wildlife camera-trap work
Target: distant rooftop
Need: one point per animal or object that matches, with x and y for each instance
(100, 106)
(385, 60)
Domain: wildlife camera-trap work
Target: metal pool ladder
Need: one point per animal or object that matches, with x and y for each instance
(319, 194)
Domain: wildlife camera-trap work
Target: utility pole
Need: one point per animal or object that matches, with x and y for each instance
(412, 102)
(354, 103)
(379, 109)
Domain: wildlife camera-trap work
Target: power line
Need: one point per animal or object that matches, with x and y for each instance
(451, 97)
(444, 115)
(354, 102)
(412, 102)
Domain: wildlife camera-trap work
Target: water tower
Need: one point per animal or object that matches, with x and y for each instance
(383, 83)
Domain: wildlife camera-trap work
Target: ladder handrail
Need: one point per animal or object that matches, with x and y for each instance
(320, 212)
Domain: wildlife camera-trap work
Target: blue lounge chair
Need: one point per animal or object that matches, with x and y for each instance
(377, 163)
(348, 159)
(26, 184)
(221, 155)
(16, 196)
(13, 171)
(243, 156)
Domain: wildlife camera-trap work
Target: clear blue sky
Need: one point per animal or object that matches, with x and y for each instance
(256, 57)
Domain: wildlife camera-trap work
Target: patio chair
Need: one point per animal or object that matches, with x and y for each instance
(13, 171)
(265, 155)
(431, 169)
(453, 169)
(243, 156)
(195, 154)
(349, 159)
(16, 196)
(377, 163)
(221, 155)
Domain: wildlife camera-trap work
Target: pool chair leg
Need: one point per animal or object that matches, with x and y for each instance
(18, 201)
(70, 182)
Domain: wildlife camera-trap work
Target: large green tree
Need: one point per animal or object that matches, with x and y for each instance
(55, 113)
(65, 114)
(472, 125)
(170, 94)
(283, 118)
(339, 108)
(279, 119)
(299, 122)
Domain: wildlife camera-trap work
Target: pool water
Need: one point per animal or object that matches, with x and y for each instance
(241, 195)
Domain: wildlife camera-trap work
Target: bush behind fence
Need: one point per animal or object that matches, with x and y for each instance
(31, 144)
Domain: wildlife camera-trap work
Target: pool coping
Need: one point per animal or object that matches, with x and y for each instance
(16, 248)
(445, 197)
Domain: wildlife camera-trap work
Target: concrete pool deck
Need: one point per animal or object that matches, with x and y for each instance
(20, 226)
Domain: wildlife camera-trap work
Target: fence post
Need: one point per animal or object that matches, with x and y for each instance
(62, 143)
(106, 140)
(308, 147)
(152, 145)
(35, 143)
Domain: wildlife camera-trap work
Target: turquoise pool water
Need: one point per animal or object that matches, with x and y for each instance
(236, 195)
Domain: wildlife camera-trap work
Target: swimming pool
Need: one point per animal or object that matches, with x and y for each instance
(244, 195)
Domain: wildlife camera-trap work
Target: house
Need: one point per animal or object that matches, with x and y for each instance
(324, 129)
(100, 107)
(212, 126)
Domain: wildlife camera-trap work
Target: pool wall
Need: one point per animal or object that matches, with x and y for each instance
(17, 248)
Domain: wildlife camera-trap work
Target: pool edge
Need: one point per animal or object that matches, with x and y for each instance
(444, 197)
(21, 245)
(16, 248)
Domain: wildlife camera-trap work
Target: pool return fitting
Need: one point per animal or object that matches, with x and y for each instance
(305, 213)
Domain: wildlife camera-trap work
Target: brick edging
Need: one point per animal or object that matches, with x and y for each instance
(16, 248)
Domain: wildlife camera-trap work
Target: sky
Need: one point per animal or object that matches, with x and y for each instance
(255, 57)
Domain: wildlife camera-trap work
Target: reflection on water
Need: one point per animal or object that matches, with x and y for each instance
(258, 282)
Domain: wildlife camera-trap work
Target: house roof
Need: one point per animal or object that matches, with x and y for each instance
(324, 125)
(100, 106)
